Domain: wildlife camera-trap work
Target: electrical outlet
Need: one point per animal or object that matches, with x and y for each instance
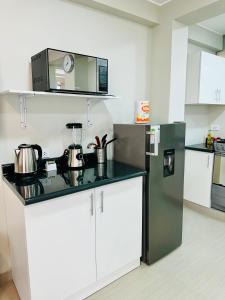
(45, 153)
(215, 127)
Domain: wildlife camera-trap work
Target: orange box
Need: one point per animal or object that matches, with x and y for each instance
(142, 115)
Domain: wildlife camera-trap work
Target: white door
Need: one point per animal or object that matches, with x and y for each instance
(198, 177)
(118, 225)
(61, 246)
(210, 77)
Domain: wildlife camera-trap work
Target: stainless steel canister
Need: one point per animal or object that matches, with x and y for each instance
(101, 155)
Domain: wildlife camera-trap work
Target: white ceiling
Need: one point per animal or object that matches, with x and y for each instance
(159, 2)
(216, 24)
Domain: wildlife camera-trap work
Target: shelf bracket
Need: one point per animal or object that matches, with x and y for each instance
(23, 111)
(89, 123)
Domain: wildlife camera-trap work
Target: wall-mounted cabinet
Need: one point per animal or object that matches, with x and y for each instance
(205, 79)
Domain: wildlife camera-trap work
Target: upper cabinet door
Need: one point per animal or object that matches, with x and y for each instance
(205, 79)
(221, 79)
(118, 225)
(61, 246)
(210, 78)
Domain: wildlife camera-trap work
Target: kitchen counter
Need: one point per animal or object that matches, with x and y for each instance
(45, 186)
(200, 147)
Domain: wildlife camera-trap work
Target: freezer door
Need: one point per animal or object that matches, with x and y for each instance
(163, 207)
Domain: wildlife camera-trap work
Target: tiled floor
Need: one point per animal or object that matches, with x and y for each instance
(195, 271)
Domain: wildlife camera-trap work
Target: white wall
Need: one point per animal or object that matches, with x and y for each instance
(178, 73)
(197, 123)
(141, 11)
(204, 37)
(36, 25)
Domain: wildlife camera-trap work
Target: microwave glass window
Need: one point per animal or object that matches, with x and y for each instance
(61, 70)
(73, 72)
(85, 73)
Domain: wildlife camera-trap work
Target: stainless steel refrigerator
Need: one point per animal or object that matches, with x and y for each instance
(159, 149)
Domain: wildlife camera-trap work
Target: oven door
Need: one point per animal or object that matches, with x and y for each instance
(218, 186)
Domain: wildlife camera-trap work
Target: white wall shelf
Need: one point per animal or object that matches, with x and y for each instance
(50, 94)
(23, 95)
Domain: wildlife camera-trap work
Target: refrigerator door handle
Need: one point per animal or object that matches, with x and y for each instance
(154, 140)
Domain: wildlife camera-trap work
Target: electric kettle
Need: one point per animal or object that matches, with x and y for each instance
(25, 159)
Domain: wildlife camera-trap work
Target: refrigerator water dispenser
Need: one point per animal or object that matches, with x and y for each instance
(169, 162)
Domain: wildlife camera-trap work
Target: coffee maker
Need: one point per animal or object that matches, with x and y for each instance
(75, 151)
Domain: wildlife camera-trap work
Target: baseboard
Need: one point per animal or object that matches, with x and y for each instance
(209, 212)
(5, 278)
(83, 294)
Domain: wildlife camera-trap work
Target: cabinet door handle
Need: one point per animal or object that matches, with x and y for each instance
(92, 204)
(208, 162)
(102, 201)
(217, 95)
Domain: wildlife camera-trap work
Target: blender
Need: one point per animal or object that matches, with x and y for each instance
(75, 151)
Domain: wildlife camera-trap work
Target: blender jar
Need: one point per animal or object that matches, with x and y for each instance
(76, 132)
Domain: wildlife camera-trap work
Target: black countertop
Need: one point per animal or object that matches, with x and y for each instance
(45, 186)
(200, 147)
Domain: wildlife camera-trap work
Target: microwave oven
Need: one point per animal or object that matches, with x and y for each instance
(61, 71)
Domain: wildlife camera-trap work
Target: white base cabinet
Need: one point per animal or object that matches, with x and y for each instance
(61, 246)
(198, 174)
(69, 247)
(118, 219)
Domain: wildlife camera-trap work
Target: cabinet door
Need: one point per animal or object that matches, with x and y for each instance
(61, 246)
(221, 80)
(210, 77)
(198, 177)
(118, 225)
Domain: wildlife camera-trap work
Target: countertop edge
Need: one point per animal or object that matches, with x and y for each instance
(72, 190)
(199, 149)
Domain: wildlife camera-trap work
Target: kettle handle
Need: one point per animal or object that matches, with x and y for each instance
(39, 150)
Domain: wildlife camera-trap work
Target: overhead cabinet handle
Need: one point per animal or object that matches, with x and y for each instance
(218, 95)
